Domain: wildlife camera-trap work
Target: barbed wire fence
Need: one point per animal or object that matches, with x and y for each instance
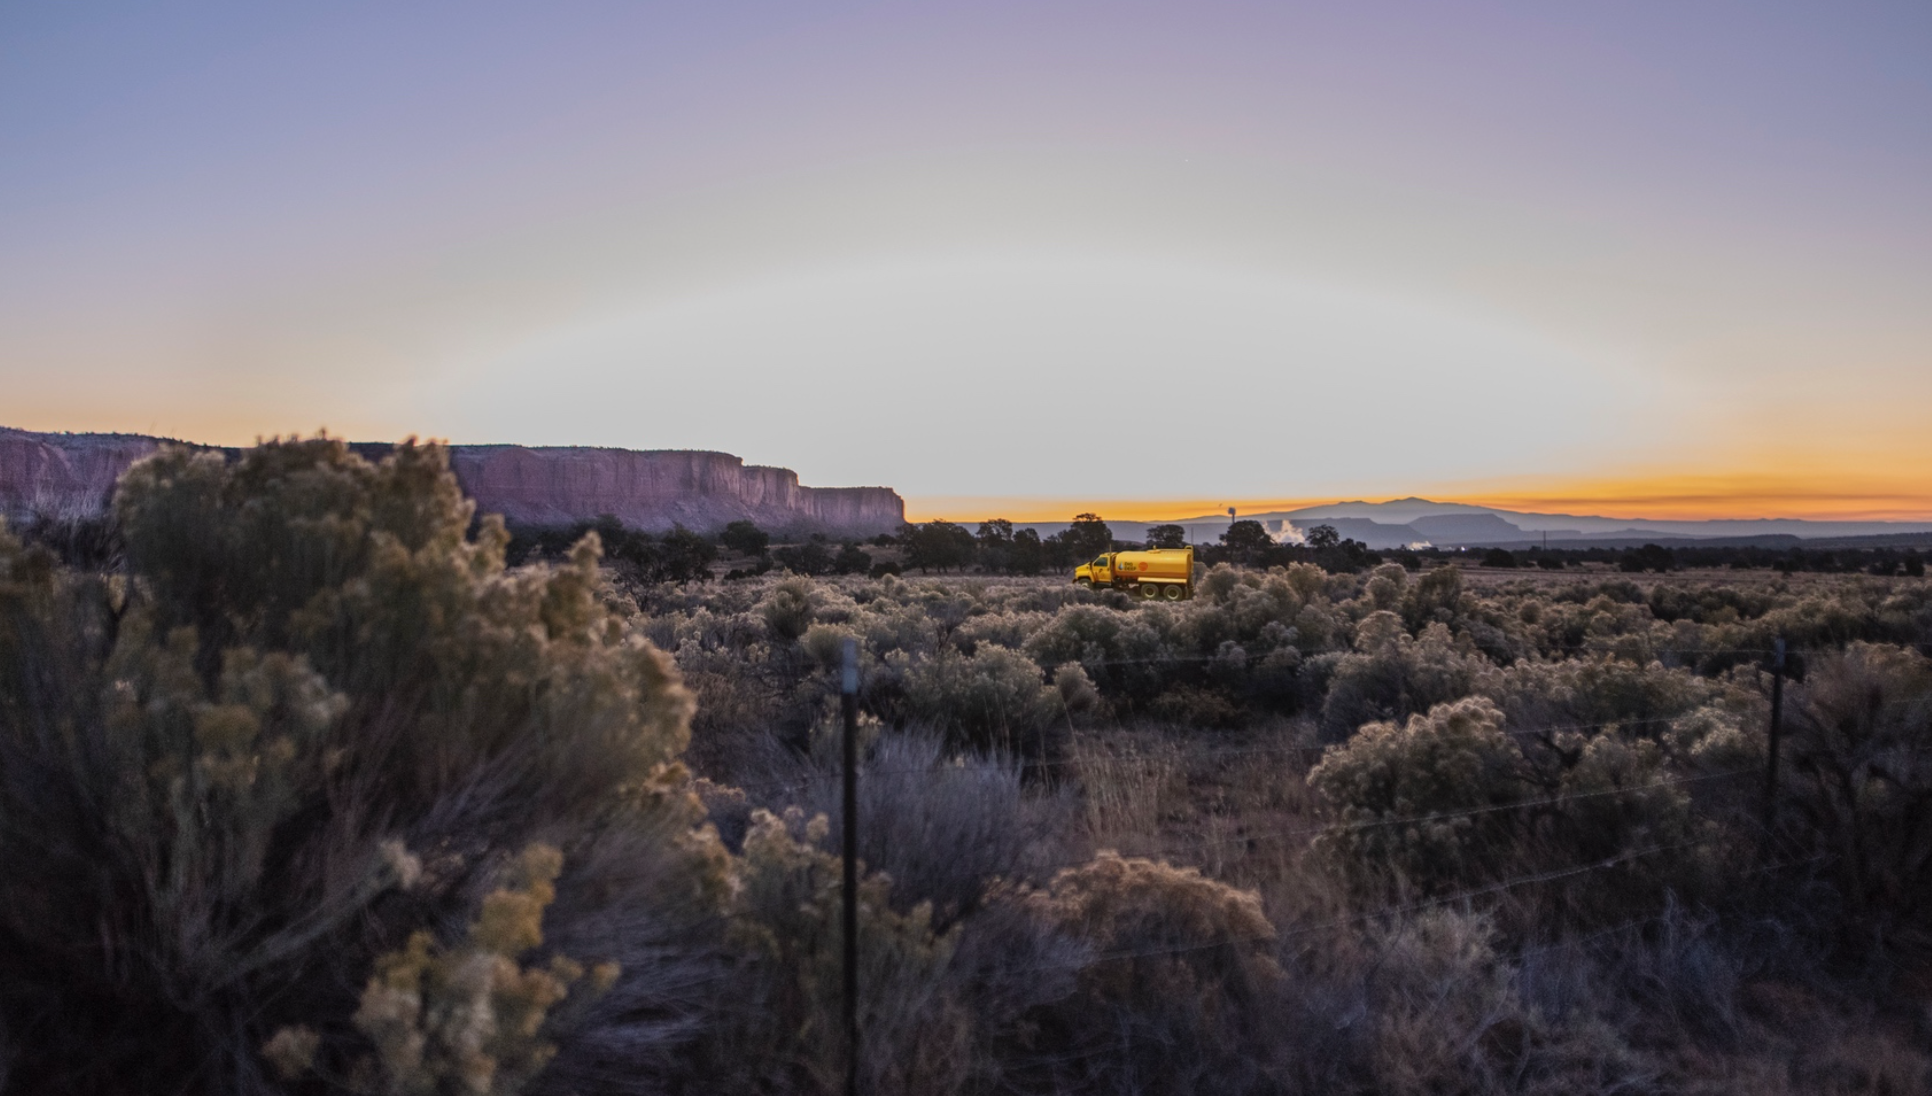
(851, 771)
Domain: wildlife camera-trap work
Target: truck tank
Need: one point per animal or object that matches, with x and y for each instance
(1153, 573)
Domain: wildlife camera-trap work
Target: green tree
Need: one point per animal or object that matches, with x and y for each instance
(1029, 553)
(1323, 536)
(1651, 557)
(1088, 537)
(745, 538)
(937, 546)
(852, 560)
(995, 545)
(684, 556)
(809, 558)
(1166, 536)
(1247, 540)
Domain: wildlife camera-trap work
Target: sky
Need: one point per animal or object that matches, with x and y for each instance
(1639, 259)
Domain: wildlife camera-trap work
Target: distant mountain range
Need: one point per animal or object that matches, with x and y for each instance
(1421, 522)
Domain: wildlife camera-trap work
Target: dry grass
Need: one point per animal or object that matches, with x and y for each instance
(1094, 858)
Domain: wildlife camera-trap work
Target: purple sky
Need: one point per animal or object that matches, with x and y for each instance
(1346, 249)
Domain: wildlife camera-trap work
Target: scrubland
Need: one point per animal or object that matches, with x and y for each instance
(309, 792)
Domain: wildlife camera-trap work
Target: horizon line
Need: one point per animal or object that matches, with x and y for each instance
(1026, 509)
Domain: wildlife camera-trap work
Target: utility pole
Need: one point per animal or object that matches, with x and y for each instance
(1777, 733)
(849, 703)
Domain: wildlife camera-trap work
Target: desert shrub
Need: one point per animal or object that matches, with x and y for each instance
(1618, 804)
(784, 1033)
(1707, 605)
(1192, 706)
(313, 719)
(1449, 800)
(1712, 739)
(1219, 582)
(1849, 613)
(1077, 694)
(1435, 598)
(889, 626)
(1177, 970)
(1262, 613)
(1859, 782)
(1449, 1016)
(1596, 692)
(644, 895)
(79, 538)
(1267, 680)
(1386, 585)
(467, 1013)
(788, 608)
(1414, 799)
(941, 825)
(993, 699)
(1003, 629)
(1391, 675)
(824, 644)
(1123, 653)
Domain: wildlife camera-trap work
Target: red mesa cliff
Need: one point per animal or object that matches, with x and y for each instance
(72, 475)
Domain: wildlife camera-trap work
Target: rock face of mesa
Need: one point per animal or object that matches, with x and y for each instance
(652, 490)
(72, 475)
(63, 475)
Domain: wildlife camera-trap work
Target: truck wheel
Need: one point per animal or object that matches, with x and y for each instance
(1149, 591)
(1175, 593)
(1083, 583)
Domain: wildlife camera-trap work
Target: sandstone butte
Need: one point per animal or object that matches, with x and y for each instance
(72, 476)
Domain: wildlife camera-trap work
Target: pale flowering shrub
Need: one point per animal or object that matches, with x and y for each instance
(466, 1018)
(785, 913)
(299, 732)
(789, 608)
(1412, 799)
(1172, 977)
(993, 699)
(1449, 801)
(1392, 675)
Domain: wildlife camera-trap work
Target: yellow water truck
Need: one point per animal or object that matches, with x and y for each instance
(1155, 573)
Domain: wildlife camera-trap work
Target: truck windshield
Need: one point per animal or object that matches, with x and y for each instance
(1101, 562)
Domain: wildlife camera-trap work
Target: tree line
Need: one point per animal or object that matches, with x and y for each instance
(638, 558)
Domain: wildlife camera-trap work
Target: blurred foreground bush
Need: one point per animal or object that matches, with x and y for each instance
(1860, 786)
(252, 789)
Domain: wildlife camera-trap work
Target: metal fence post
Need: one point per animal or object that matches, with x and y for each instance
(849, 703)
(1777, 733)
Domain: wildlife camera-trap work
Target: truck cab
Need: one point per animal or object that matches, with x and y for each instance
(1098, 573)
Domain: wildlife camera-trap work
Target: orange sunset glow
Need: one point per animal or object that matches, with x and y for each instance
(1131, 280)
(1905, 498)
